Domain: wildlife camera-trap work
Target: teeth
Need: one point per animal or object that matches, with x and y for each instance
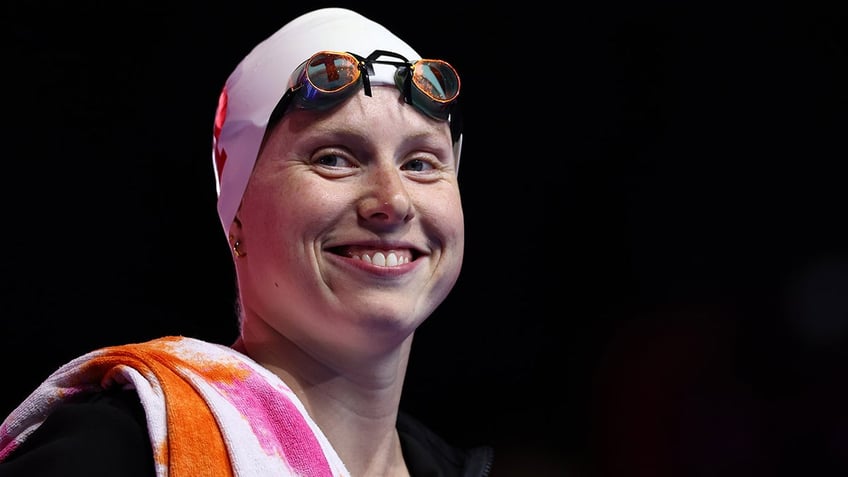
(391, 260)
(382, 260)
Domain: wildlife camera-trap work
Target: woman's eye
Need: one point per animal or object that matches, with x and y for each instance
(418, 165)
(333, 160)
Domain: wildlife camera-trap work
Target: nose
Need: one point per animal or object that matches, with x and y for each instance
(387, 199)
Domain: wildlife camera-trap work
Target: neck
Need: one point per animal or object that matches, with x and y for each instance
(353, 399)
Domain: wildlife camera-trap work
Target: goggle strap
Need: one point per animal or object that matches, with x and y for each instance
(282, 106)
(407, 85)
(366, 69)
(372, 58)
(366, 74)
(455, 122)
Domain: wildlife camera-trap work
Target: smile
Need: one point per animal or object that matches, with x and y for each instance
(390, 259)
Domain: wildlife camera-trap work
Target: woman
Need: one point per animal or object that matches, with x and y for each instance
(336, 151)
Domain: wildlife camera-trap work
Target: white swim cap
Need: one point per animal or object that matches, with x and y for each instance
(259, 81)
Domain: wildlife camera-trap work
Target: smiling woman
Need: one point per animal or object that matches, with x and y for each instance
(346, 231)
(663, 245)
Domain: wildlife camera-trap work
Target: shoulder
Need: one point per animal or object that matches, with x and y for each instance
(102, 435)
(427, 453)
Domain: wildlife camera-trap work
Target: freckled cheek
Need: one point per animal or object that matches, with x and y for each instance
(450, 224)
(457, 224)
(448, 218)
(315, 204)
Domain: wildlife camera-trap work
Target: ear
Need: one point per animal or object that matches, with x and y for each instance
(235, 230)
(235, 238)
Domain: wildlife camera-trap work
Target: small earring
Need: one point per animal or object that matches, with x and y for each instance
(236, 251)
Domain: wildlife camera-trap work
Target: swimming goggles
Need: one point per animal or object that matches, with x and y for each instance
(329, 77)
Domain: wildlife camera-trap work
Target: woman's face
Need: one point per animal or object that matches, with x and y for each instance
(352, 224)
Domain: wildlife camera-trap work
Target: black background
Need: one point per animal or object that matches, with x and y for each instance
(656, 275)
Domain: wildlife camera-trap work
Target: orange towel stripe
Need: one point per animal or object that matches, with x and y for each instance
(195, 443)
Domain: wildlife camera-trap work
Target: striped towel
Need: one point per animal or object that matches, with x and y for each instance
(211, 410)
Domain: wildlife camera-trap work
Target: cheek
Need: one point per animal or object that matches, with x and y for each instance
(304, 206)
(446, 215)
(278, 207)
(456, 222)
